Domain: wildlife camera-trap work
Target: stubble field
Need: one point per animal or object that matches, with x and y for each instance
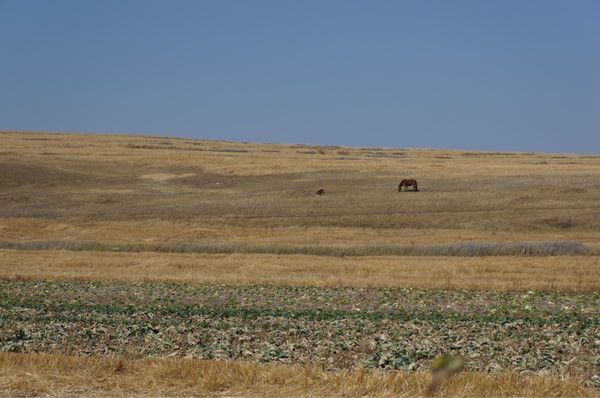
(218, 261)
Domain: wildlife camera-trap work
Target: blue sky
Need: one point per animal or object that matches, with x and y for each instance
(491, 75)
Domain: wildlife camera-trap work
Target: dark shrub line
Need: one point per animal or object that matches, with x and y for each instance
(468, 249)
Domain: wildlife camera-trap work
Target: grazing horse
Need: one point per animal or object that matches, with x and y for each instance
(408, 183)
(321, 192)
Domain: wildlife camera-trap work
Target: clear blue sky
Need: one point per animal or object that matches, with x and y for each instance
(495, 75)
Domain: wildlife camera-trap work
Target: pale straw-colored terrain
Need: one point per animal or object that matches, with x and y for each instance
(95, 211)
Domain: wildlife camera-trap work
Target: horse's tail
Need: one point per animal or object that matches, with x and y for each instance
(416, 187)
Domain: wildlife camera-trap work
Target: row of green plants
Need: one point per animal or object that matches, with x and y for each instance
(574, 321)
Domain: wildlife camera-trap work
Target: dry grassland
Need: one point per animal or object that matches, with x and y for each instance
(42, 374)
(164, 192)
(134, 189)
(570, 274)
(161, 190)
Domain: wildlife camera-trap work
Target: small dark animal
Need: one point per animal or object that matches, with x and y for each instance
(321, 192)
(408, 183)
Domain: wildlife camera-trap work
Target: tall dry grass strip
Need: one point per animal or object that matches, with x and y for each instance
(44, 374)
(468, 249)
(569, 274)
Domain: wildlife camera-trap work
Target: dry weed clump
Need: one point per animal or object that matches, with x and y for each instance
(43, 374)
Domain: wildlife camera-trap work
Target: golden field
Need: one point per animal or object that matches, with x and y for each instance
(129, 209)
(117, 188)
(488, 273)
(161, 190)
(43, 374)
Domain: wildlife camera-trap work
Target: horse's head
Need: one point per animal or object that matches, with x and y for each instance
(400, 186)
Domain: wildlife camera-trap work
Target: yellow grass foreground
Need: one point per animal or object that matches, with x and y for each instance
(44, 374)
(572, 274)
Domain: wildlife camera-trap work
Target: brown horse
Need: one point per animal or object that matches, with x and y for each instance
(321, 192)
(408, 183)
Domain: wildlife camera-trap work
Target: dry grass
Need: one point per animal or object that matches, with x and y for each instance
(129, 191)
(261, 159)
(571, 274)
(158, 191)
(120, 189)
(173, 231)
(43, 374)
(469, 249)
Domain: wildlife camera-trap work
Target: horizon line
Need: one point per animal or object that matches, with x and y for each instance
(160, 135)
